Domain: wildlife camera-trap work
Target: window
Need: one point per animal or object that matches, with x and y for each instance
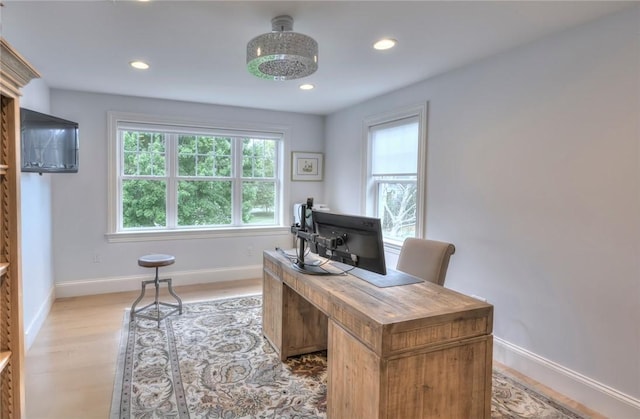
(395, 173)
(182, 178)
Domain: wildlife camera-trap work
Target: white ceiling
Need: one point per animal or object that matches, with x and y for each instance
(197, 48)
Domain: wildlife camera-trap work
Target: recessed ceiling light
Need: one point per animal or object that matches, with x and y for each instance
(307, 86)
(385, 43)
(140, 65)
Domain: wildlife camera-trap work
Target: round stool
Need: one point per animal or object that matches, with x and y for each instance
(156, 261)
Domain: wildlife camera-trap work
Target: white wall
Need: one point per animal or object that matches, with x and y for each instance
(80, 200)
(534, 175)
(37, 262)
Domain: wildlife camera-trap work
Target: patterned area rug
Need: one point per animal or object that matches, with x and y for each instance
(212, 362)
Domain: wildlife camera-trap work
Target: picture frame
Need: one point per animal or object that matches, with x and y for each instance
(307, 166)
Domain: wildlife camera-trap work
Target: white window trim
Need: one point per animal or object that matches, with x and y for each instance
(419, 111)
(114, 119)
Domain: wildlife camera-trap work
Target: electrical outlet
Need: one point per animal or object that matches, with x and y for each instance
(96, 258)
(249, 250)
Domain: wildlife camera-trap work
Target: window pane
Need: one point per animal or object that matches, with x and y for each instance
(144, 203)
(187, 155)
(397, 210)
(144, 153)
(204, 156)
(222, 151)
(395, 149)
(258, 202)
(205, 145)
(222, 166)
(258, 158)
(205, 165)
(204, 203)
(186, 165)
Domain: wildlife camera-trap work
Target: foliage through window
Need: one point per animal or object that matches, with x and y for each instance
(394, 174)
(172, 178)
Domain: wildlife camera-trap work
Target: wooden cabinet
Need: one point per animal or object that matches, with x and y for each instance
(15, 72)
(415, 351)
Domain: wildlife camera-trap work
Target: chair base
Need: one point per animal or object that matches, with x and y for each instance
(159, 316)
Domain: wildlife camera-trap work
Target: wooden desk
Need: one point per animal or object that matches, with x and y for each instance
(407, 352)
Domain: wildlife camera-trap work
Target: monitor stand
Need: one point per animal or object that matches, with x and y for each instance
(310, 269)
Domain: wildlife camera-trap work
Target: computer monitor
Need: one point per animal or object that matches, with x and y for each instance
(350, 239)
(304, 215)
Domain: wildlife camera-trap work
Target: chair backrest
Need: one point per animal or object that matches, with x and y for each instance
(426, 259)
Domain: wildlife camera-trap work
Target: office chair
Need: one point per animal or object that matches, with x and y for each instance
(426, 259)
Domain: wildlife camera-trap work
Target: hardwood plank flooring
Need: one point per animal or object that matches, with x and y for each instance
(70, 367)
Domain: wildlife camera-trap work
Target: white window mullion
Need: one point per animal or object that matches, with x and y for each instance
(236, 182)
(171, 172)
(278, 182)
(119, 169)
(421, 181)
(375, 193)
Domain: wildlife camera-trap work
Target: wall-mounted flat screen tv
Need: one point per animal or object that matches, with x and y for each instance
(48, 144)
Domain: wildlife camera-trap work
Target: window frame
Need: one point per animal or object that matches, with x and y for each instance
(116, 120)
(369, 193)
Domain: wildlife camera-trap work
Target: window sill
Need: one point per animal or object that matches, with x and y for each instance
(392, 247)
(140, 236)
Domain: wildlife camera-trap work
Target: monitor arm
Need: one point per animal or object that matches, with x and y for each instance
(330, 243)
(300, 230)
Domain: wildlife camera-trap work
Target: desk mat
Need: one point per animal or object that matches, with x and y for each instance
(393, 278)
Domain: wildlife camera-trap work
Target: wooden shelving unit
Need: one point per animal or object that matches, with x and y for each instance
(15, 72)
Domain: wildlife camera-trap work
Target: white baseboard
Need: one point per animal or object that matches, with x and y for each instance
(131, 283)
(34, 327)
(593, 394)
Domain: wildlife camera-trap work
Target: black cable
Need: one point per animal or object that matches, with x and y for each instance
(292, 258)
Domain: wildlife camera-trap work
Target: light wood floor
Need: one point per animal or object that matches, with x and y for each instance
(71, 365)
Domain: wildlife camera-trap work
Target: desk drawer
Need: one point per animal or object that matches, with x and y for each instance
(318, 298)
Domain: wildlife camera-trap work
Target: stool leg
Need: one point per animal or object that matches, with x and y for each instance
(157, 284)
(135, 303)
(175, 296)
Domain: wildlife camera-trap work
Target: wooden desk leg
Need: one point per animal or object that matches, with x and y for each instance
(272, 310)
(446, 381)
(354, 382)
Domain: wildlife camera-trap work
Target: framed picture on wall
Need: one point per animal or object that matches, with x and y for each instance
(306, 166)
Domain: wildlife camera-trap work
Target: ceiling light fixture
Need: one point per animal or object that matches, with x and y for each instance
(307, 86)
(140, 65)
(282, 54)
(385, 43)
